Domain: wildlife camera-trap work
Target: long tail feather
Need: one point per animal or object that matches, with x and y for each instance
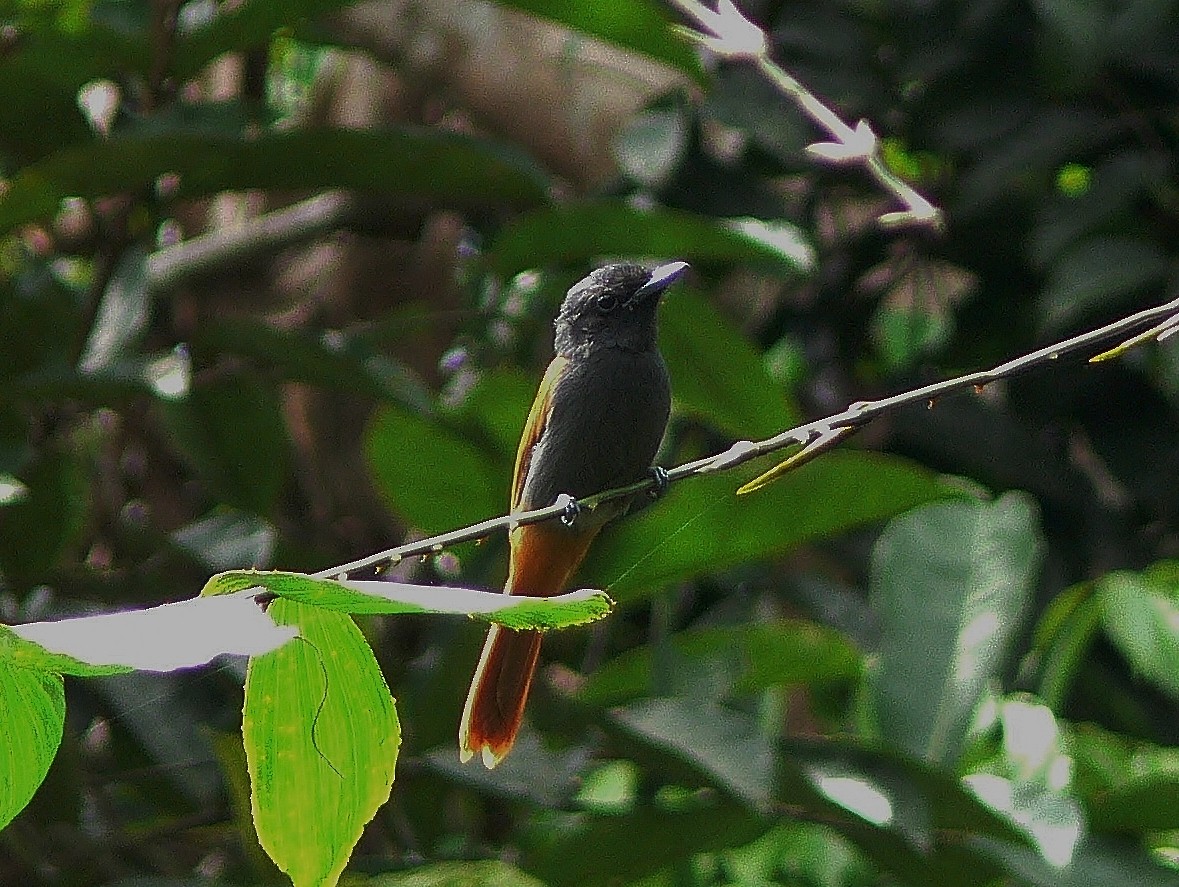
(543, 558)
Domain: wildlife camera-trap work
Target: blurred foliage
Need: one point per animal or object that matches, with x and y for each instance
(275, 287)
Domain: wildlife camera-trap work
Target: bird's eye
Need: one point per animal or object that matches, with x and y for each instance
(607, 302)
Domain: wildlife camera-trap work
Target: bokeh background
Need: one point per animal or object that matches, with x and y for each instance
(276, 285)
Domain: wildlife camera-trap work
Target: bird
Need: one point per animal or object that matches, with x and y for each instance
(596, 422)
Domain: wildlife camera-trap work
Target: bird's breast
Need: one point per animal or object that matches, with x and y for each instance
(608, 414)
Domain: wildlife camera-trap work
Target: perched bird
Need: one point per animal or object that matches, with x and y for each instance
(596, 422)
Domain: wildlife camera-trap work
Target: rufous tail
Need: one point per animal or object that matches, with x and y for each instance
(543, 558)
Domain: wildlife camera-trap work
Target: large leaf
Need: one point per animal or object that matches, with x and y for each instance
(1062, 638)
(703, 527)
(37, 529)
(737, 394)
(770, 654)
(731, 746)
(233, 432)
(593, 851)
(473, 873)
(32, 714)
(431, 473)
(951, 583)
(321, 735)
(584, 231)
(425, 163)
(1140, 613)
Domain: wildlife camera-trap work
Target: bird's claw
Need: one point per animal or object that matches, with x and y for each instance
(659, 476)
(572, 510)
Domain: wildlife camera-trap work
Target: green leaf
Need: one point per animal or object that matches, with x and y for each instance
(1032, 786)
(729, 745)
(233, 432)
(39, 81)
(639, 25)
(581, 232)
(1062, 638)
(421, 163)
(1097, 275)
(702, 527)
(1140, 613)
(950, 583)
(1147, 803)
(1097, 862)
(15, 650)
(497, 405)
(653, 144)
(397, 598)
(584, 850)
(903, 335)
(227, 539)
(1126, 784)
(321, 736)
(785, 651)
(332, 359)
(905, 815)
(32, 715)
(432, 475)
(737, 394)
(472, 873)
(37, 530)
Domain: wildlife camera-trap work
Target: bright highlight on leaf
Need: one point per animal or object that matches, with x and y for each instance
(179, 635)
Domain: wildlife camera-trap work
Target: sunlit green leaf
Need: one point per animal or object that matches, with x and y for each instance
(167, 637)
(32, 714)
(322, 737)
(393, 598)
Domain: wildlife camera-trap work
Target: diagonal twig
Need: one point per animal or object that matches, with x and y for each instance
(816, 437)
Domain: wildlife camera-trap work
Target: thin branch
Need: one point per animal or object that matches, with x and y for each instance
(210, 253)
(730, 35)
(815, 437)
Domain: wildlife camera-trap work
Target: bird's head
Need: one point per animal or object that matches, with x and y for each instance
(614, 307)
